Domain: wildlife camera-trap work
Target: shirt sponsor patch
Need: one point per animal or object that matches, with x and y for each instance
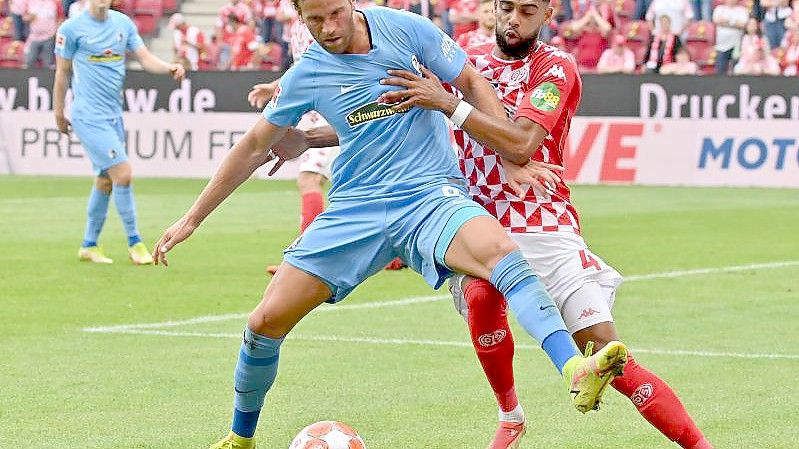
(545, 97)
(370, 112)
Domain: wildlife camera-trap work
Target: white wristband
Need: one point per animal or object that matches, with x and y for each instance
(462, 111)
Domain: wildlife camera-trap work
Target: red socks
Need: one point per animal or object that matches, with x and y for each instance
(313, 203)
(656, 402)
(492, 339)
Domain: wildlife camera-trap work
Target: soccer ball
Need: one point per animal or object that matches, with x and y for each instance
(328, 435)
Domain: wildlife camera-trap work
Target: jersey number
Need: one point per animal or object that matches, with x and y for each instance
(588, 261)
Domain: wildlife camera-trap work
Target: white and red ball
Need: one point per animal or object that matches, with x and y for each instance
(328, 435)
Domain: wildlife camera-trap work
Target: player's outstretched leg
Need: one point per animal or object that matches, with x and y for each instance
(485, 311)
(291, 295)
(122, 191)
(481, 249)
(96, 212)
(652, 396)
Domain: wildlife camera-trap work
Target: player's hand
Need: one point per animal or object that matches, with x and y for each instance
(176, 233)
(260, 94)
(291, 146)
(540, 176)
(177, 71)
(63, 124)
(425, 92)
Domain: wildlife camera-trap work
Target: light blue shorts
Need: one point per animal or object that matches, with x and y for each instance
(104, 142)
(354, 239)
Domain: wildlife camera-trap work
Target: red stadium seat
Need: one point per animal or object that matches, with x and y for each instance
(11, 54)
(637, 34)
(151, 7)
(6, 27)
(704, 55)
(170, 6)
(125, 6)
(274, 60)
(146, 23)
(702, 31)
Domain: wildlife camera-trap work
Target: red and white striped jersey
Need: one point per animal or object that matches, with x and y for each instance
(543, 87)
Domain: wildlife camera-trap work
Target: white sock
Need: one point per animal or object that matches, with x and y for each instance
(515, 415)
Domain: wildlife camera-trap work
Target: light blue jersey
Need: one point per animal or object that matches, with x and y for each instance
(97, 50)
(381, 151)
(397, 190)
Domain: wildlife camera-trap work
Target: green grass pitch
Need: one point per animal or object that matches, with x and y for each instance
(403, 374)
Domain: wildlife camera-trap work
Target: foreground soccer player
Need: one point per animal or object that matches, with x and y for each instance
(315, 163)
(396, 191)
(95, 42)
(541, 87)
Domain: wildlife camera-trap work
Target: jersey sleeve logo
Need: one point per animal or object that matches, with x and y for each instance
(60, 40)
(275, 97)
(545, 97)
(448, 47)
(557, 71)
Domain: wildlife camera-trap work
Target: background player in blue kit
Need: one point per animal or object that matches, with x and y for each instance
(91, 48)
(396, 191)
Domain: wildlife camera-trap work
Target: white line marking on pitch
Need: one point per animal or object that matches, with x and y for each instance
(425, 299)
(455, 344)
(731, 269)
(156, 328)
(239, 316)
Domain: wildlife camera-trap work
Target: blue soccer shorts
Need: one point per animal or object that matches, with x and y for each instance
(103, 140)
(354, 239)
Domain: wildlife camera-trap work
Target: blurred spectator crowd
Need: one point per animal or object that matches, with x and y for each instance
(679, 37)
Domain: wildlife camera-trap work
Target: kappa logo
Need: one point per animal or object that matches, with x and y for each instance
(112, 153)
(642, 394)
(588, 312)
(492, 338)
(557, 71)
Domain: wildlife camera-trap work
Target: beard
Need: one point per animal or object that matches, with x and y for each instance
(518, 50)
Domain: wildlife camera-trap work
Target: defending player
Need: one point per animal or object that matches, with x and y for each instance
(396, 192)
(540, 87)
(91, 49)
(315, 163)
